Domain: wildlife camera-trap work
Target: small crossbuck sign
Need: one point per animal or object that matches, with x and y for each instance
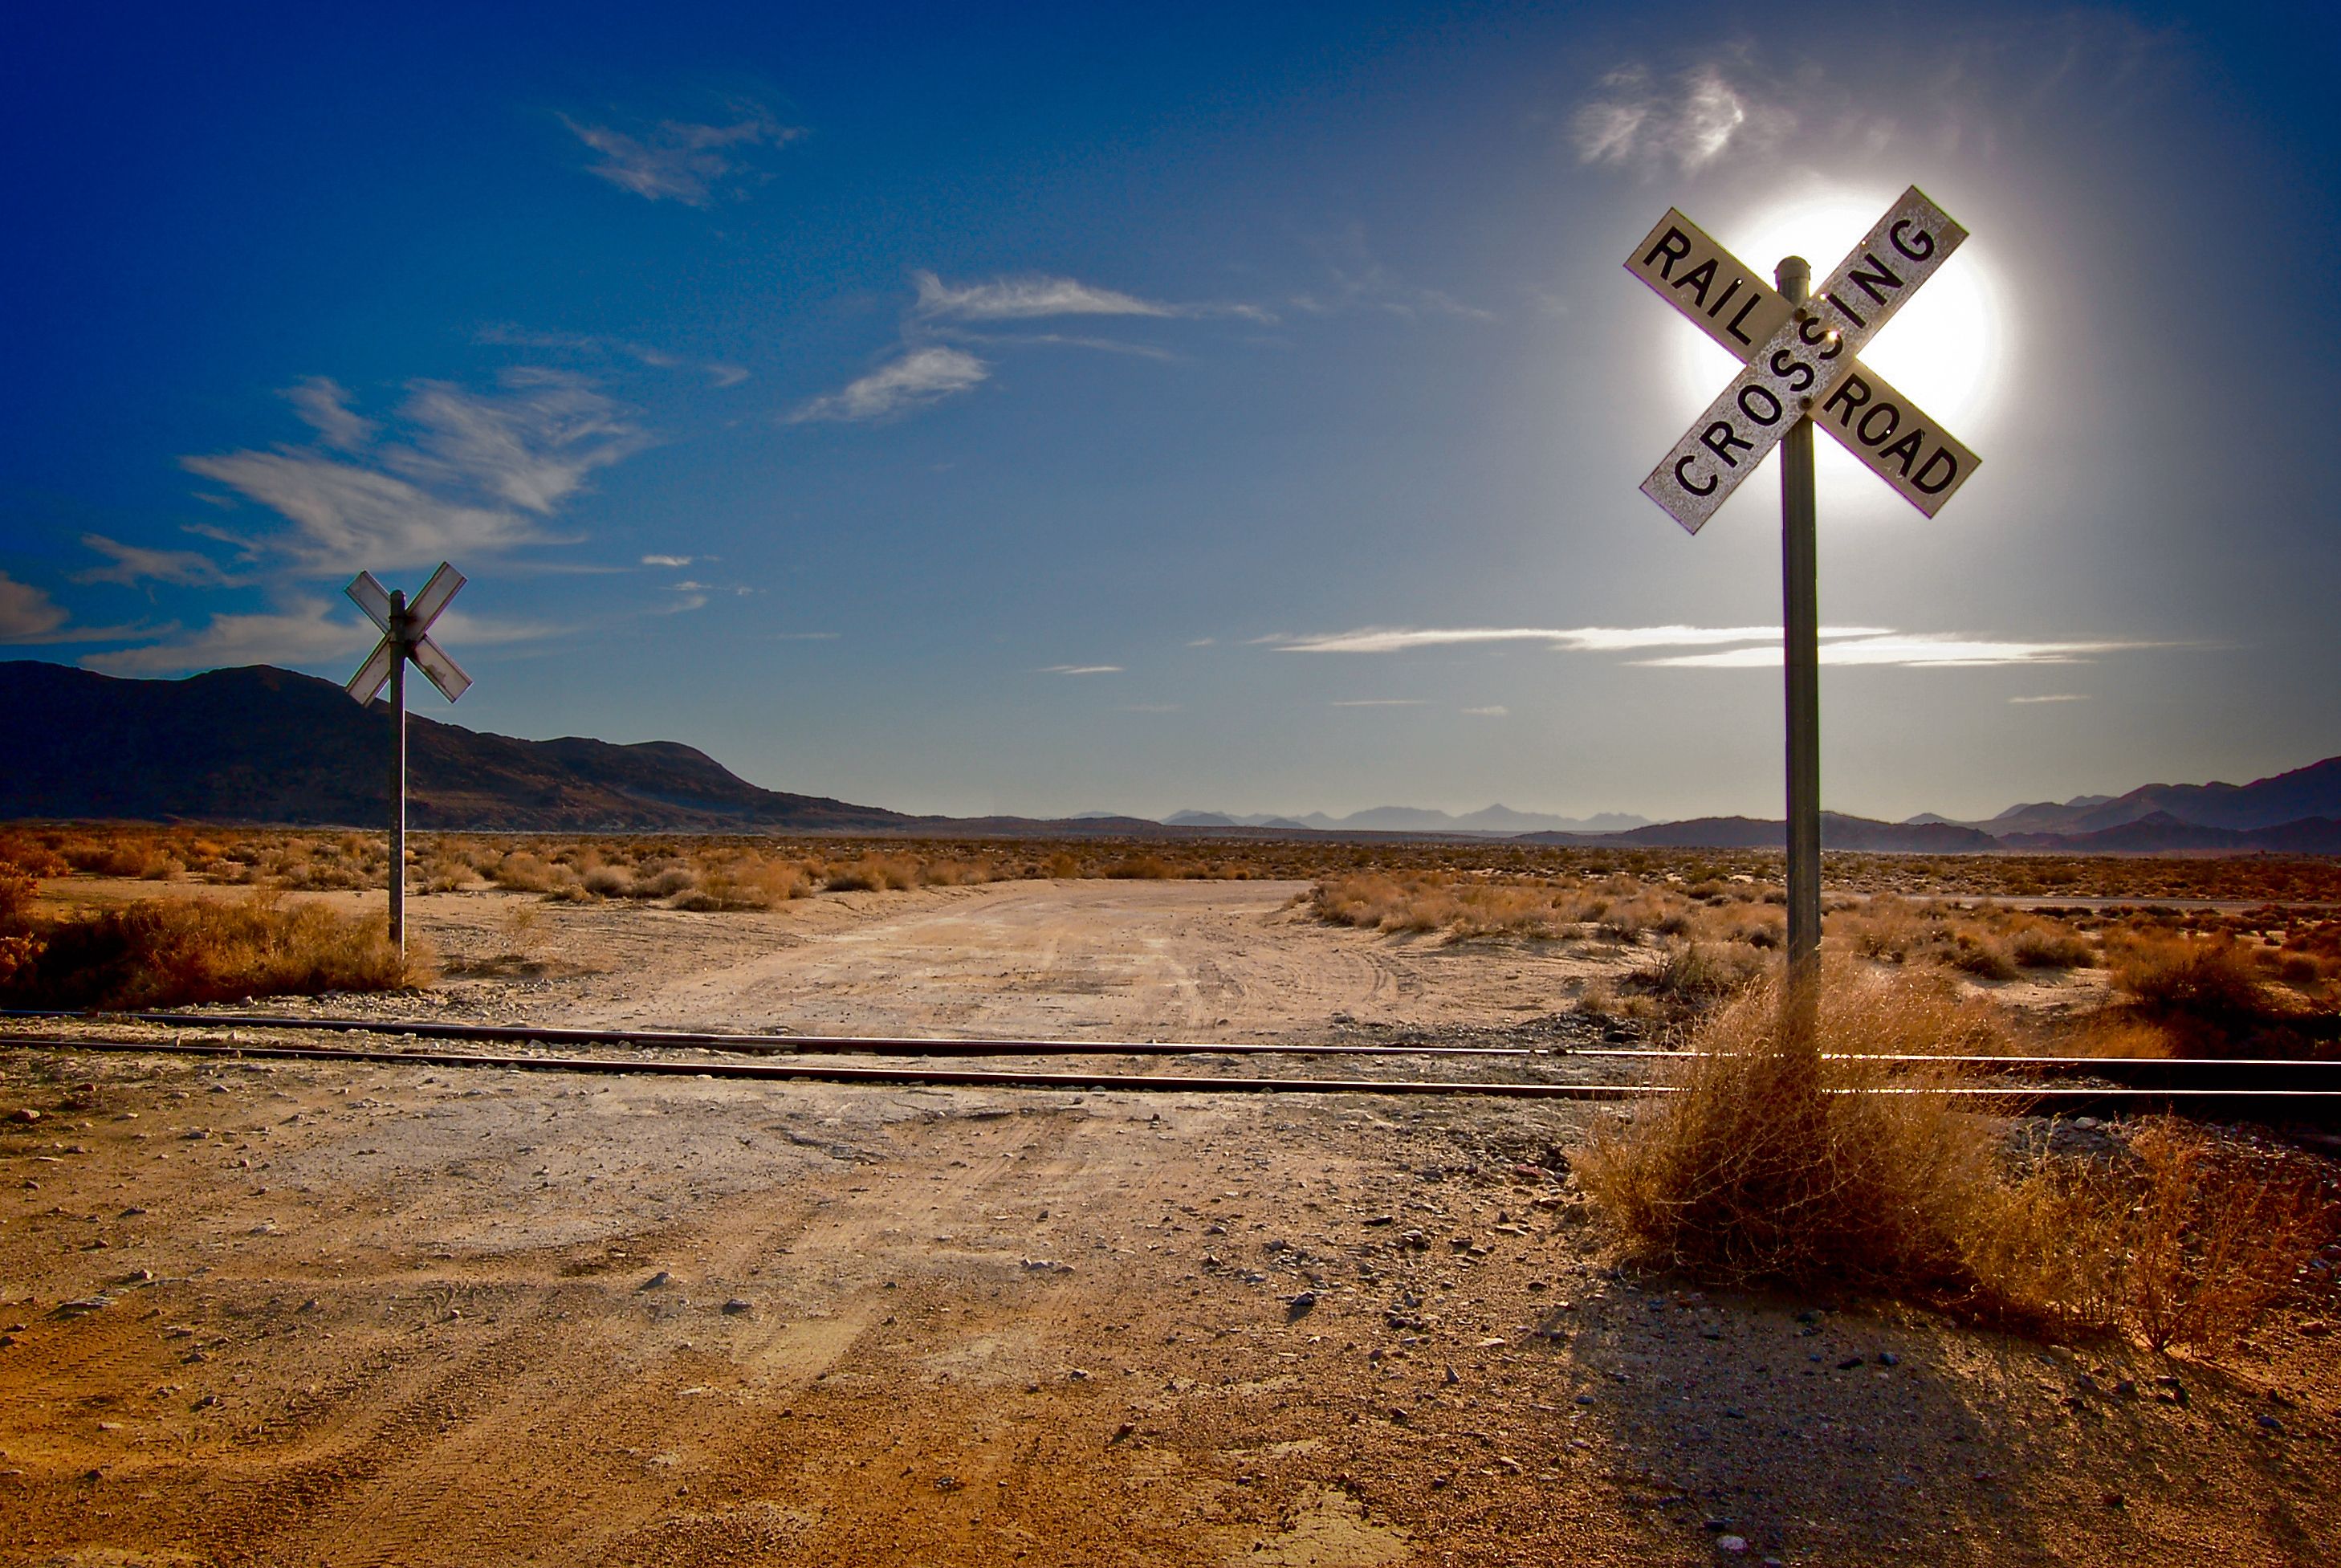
(404, 628)
(1800, 361)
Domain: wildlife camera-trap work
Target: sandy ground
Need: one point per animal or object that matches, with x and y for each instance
(291, 1314)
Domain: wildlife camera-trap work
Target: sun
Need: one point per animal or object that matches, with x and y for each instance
(1946, 350)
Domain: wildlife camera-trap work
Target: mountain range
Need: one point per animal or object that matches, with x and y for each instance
(1495, 821)
(260, 745)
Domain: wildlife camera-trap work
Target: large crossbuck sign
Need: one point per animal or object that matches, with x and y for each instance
(406, 634)
(1801, 359)
(1801, 364)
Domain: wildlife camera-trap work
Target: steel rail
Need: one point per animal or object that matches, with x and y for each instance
(2289, 1104)
(881, 1045)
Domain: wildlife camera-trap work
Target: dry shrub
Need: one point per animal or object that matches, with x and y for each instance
(2174, 977)
(608, 881)
(749, 881)
(165, 952)
(1767, 1163)
(1771, 1165)
(873, 874)
(1973, 949)
(522, 871)
(2046, 945)
(1140, 868)
(1701, 975)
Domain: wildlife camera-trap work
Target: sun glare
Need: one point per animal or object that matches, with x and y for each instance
(1946, 350)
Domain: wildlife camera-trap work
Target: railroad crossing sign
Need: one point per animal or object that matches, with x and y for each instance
(1800, 367)
(405, 628)
(1800, 359)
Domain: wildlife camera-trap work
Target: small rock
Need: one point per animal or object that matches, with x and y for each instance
(25, 1115)
(1122, 1433)
(735, 1306)
(1849, 1364)
(2115, 1500)
(2269, 1423)
(1732, 1543)
(83, 1307)
(656, 1280)
(1887, 1358)
(1301, 1305)
(1450, 1379)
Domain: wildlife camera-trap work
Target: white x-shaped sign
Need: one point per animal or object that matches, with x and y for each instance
(402, 635)
(1800, 360)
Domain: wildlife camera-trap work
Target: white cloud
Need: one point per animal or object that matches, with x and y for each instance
(2054, 697)
(311, 629)
(1916, 650)
(725, 376)
(29, 618)
(681, 160)
(1634, 121)
(921, 376)
(322, 402)
(476, 474)
(135, 563)
(1025, 298)
(1492, 710)
(1035, 295)
(306, 634)
(593, 346)
(27, 614)
(1078, 670)
(531, 446)
(1379, 703)
(668, 560)
(1575, 639)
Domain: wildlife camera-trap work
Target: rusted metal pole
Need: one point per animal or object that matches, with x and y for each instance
(1800, 663)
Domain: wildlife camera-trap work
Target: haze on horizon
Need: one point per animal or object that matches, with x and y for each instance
(1053, 411)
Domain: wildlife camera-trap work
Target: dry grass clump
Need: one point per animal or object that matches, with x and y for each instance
(1772, 1165)
(167, 952)
(2210, 996)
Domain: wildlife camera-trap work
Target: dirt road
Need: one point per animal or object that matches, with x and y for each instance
(363, 1314)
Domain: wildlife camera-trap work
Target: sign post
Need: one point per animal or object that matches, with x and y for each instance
(1799, 350)
(405, 629)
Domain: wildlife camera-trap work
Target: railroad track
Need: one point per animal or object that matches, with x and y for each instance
(2255, 1089)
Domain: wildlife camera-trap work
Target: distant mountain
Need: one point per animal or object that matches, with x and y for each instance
(2303, 794)
(1499, 821)
(264, 745)
(1837, 832)
(2160, 833)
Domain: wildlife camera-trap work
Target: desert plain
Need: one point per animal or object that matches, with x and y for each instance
(270, 1311)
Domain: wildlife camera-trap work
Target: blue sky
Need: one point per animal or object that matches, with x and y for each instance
(1044, 409)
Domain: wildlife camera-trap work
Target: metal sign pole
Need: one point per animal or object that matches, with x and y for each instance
(406, 634)
(398, 775)
(1801, 662)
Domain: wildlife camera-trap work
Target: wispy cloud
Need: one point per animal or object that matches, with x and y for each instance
(1574, 639)
(309, 632)
(1078, 670)
(594, 345)
(308, 629)
(132, 564)
(1356, 281)
(1033, 297)
(1938, 651)
(324, 405)
(1492, 710)
(680, 160)
(1379, 702)
(477, 473)
(29, 618)
(668, 560)
(921, 376)
(2054, 697)
(1635, 120)
(28, 614)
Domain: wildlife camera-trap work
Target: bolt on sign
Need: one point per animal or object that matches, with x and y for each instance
(1801, 360)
